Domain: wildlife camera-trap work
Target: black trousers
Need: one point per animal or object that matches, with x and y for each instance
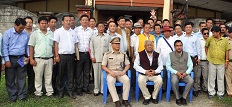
(54, 77)
(16, 79)
(31, 78)
(83, 69)
(164, 86)
(65, 67)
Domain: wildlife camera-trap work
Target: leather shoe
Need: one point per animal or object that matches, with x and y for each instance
(178, 102)
(155, 101)
(96, 94)
(79, 93)
(229, 96)
(183, 101)
(195, 93)
(126, 103)
(61, 95)
(51, 96)
(13, 101)
(117, 104)
(87, 91)
(23, 99)
(70, 94)
(146, 101)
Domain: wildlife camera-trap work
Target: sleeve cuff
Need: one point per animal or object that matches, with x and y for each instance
(6, 58)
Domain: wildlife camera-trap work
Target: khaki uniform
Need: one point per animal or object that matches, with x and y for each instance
(228, 74)
(114, 62)
(98, 46)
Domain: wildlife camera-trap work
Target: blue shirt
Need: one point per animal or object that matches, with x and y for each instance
(173, 71)
(158, 37)
(198, 34)
(192, 45)
(14, 43)
(3, 61)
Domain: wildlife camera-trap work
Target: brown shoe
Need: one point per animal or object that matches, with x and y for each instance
(117, 104)
(229, 96)
(126, 103)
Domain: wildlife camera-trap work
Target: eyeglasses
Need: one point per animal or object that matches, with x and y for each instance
(205, 33)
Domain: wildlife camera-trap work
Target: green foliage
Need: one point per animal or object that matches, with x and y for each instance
(31, 100)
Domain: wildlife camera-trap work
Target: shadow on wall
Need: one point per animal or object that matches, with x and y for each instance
(196, 23)
(60, 15)
(8, 14)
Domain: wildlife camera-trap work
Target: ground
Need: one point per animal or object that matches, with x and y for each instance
(96, 101)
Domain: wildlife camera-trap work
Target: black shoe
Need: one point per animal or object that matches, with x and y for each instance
(70, 94)
(195, 93)
(146, 101)
(155, 101)
(183, 101)
(23, 99)
(178, 102)
(60, 95)
(38, 97)
(96, 94)
(117, 104)
(79, 93)
(13, 101)
(126, 103)
(210, 96)
(51, 96)
(87, 91)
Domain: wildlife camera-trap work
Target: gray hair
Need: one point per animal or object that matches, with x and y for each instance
(147, 42)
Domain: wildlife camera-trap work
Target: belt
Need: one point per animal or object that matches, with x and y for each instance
(230, 60)
(16, 56)
(204, 60)
(153, 75)
(84, 52)
(45, 58)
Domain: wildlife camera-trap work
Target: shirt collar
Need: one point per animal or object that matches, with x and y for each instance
(102, 34)
(147, 53)
(13, 30)
(64, 29)
(114, 52)
(42, 32)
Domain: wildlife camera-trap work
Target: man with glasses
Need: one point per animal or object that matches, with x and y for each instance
(203, 66)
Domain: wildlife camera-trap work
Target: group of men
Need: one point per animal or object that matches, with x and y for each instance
(61, 59)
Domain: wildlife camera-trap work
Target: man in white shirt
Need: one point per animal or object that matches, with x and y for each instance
(52, 23)
(92, 25)
(65, 43)
(84, 34)
(203, 66)
(178, 31)
(134, 37)
(164, 47)
(149, 64)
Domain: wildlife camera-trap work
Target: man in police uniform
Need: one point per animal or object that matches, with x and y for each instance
(115, 61)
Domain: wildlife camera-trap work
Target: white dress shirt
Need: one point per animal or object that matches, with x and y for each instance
(66, 40)
(203, 54)
(83, 36)
(138, 68)
(124, 40)
(163, 48)
(134, 41)
(176, 37)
